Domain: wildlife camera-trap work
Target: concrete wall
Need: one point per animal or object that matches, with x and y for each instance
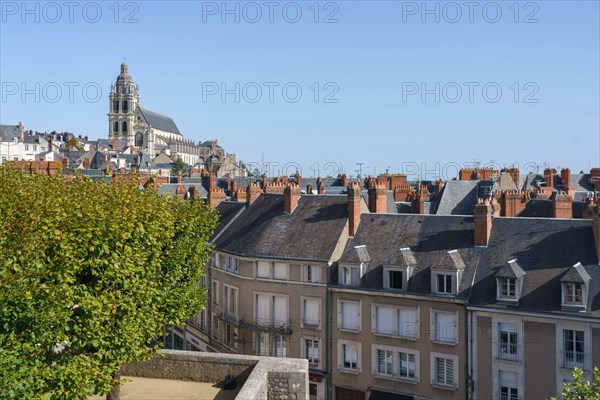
(261, 377)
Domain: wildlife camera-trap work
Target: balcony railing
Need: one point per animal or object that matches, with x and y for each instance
(250, 323)
(573, 359)
(508, 351)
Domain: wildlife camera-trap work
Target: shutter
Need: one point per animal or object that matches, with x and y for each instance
(508, 379)
(440, 370)
(263, 309)
(505, 327)
(281, 310)
(311, 312)
(407, 323)
(281, 271)
(263, 269)
(449, 371)
(350, 316)
(385, 320)
(445, 327)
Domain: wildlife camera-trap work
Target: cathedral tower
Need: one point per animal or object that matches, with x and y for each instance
(124, 99)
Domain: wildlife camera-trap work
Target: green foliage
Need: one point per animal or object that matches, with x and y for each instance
(89, 274)
(178, 167)
(580, 389)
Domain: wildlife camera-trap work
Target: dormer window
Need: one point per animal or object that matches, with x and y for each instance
(350, 275)
(509, 282)
(575, 285)
(445, 278)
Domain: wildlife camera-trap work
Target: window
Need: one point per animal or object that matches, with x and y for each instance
(116, 127)
(280, 346)
(384, 362)
(384, 320)
(311, 312)
(349, 356)
(573, 348)
(507, 288)
(349, 315)
(139, 140)
(280, 271)
(35, 147)
(263, 269)
(445, 327)
(444, 371)
(124, 127)
(125, 106)
(396, 321)
(271, 310)
(573, 293)
(406, 366)
(230, 335)
(263, 343)
(508, 386)
(230, 296)
(26, 147)
(116, 106)
(43, 148)
(443, 283)
(311, 350)
(231, 264)
(312, 274)
(215, 292)
(349, 276)
(394, 279)
(507, 341)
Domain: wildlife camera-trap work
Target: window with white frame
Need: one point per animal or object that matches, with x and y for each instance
(394, 279)
(445, 370)
(26, 147)
(263, 269)
(385, 362)
(271, 310)
(263, 344)
(280, 271)
(348, 355)
(349, 315)
(384, 320)
(507, 289)
(573, 348)
(508, 344)
(311, 311)
(508, 385)
(280, 346)
(231, 264)
(35, 147)
(573, 293)
(443, 283)
(311, 351)
(312, 274)
(349, 276)
(408, 323)
(445, 327)
(230, 296)
(396, 321)
(407, 366)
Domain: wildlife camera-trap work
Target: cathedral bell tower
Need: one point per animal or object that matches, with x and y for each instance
(124, 99)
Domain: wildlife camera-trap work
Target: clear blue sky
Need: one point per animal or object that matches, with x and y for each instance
(376, 56)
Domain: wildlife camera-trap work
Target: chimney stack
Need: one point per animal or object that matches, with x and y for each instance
(320, 186)
(513, 202)
(252, 192)
(562, 205)
(354, 194)
(378, 198)
(291, 196)
(22, 130)
(439, 184)
(344, 179)
(549, 177)
(298, 178)
(515, 174)
(384, 179)
(565, 177)
(215, 196)
(483, 214)
(309, 189)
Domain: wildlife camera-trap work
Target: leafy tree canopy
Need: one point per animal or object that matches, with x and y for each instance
(178, 167)
(89, 274)
(580, 389)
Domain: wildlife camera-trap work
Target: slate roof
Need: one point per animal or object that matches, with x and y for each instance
(159, 121)
(458, 198)
(582, 182)
(171, 188)
(544, 209)
(228, 211)
(391, 207)
(311, 232)
(429, 238)
(576, 274)
(546, 249)
(9, 132)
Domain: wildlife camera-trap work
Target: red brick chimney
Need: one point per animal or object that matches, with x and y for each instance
(549, 177)
(298, 178)
(309, 189)
(265, 181)
(513, 202)
(354, 195)
(565, 177)
(465, 174)
(180, 192)
(215, 196)
(402, 192)
(50, 143)
(384, 179)
(275, 188)
(193, 191)
(22, 130)
(562, 205)
(378, 198)
(397, 180)
(344, 179)
(439, 184)
(515, 175)
(291, 196)
(483, 214)
(252, 192)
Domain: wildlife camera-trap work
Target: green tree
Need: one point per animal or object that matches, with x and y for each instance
(90, 273)
(178, 167)
(580, 389)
